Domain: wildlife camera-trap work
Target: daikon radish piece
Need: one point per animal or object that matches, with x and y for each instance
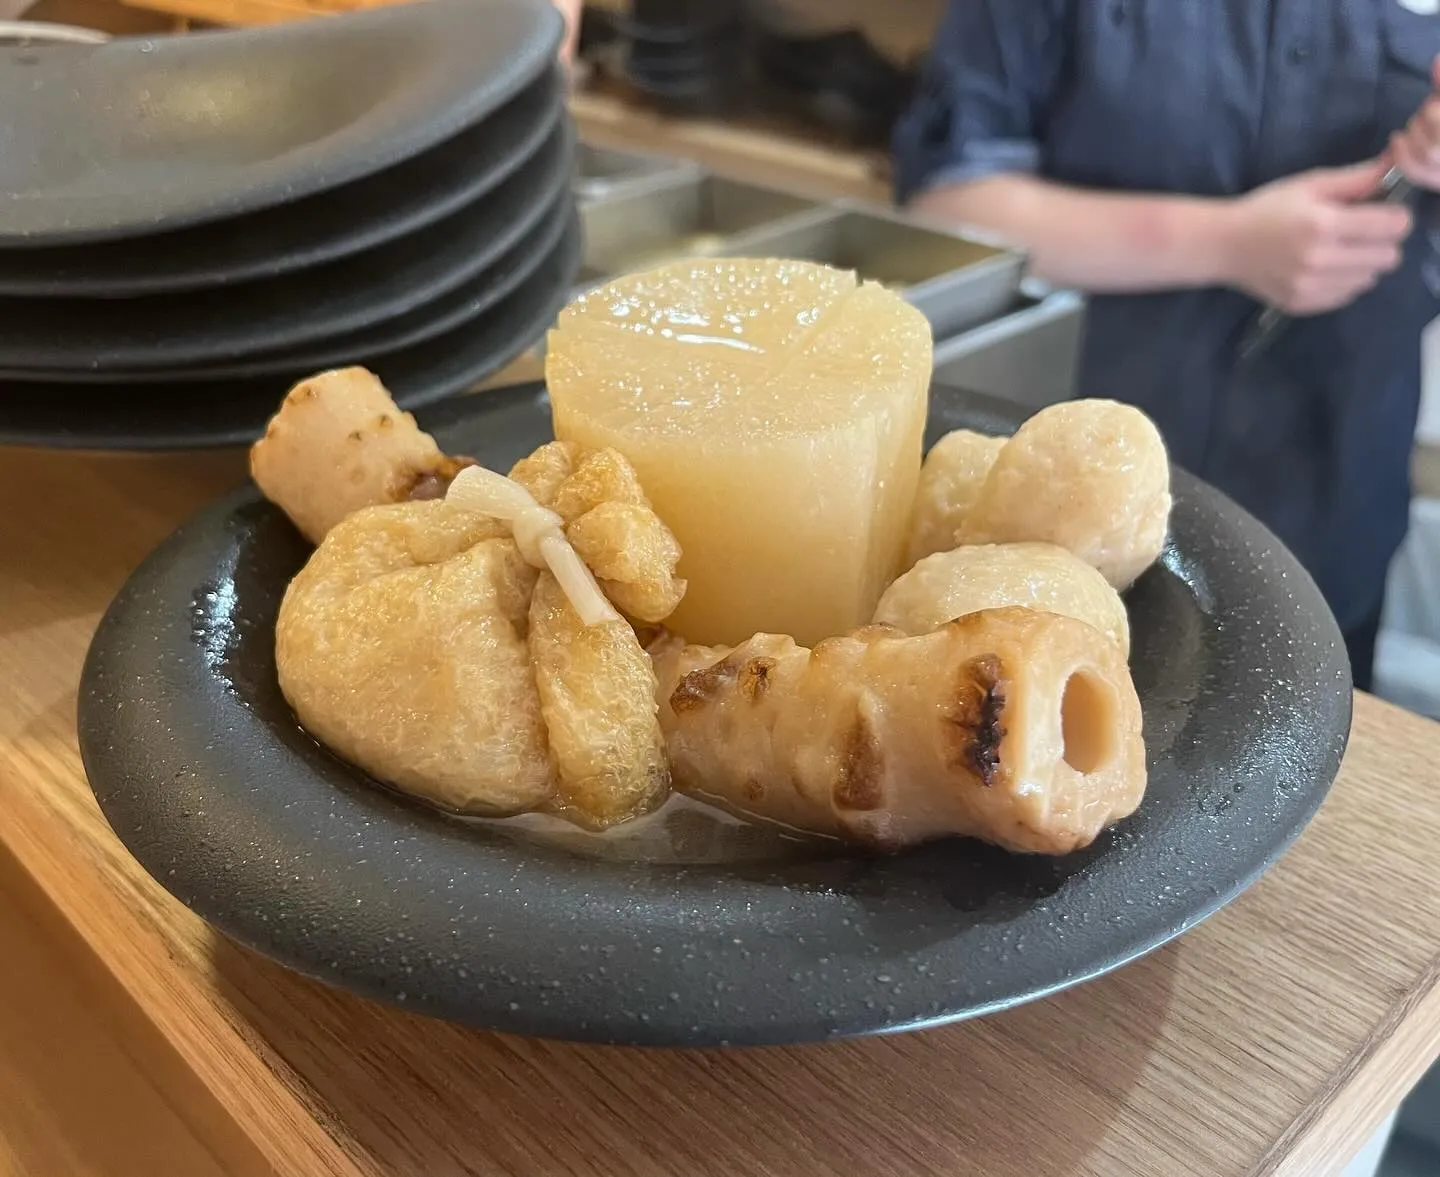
(774, 412)
(1089, 475)
(950, 480)
(1018, 727)
(339, 443)
(401, 646)
(991, 576)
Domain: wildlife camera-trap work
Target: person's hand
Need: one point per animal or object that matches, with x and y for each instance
(1416, 149)
(1309, 244)
(570, 10)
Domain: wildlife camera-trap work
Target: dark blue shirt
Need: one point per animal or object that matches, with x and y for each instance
(1212, 98)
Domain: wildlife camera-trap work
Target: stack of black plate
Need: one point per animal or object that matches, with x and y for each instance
(189, 225)
(688, 56)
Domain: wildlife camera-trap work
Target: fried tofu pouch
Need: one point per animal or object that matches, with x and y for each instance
(990, 576)
(431, 644)
(596, 682)
(611, 524)
(597, 688)
(339, 443)
(401, 645)
(1018, 727)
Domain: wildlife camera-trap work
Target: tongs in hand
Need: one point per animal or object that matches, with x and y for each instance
(1268, 325)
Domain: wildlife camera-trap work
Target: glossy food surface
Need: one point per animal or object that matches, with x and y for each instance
(774, 413)
(688, 928)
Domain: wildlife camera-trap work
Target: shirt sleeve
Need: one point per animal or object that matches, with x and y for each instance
(982, 93)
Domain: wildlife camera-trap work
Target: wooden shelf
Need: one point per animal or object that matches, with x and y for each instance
(900, 28)
(768, 150)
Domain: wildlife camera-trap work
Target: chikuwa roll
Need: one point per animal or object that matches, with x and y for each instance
(1014, 726)
(338, 444)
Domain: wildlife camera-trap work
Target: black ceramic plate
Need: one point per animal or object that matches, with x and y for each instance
(320, 228)
(63, 336)
(460, 306)
(139, 135)
(691, 929)
(223, 413)
(430, 319)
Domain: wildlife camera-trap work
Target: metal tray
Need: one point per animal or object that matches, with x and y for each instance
(1030, 355)
(957, 280)
(600, 171)
(705, 216)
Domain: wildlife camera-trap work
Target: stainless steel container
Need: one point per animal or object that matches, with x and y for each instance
(706, 216)
(956, 279)
(601, 171)
(1029, 356)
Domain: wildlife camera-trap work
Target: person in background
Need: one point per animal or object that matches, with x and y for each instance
(1184, 164)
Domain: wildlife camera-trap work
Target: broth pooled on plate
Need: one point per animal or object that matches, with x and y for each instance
(710, 581)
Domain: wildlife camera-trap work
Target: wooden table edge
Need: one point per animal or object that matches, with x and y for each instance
(200, 1084)
(232, 1089)
(1386, 1067)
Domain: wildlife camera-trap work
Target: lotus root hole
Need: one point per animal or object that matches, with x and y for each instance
(1087, 723)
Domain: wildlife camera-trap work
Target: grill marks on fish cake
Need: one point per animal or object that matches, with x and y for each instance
(890, 740)
(750, 676)
(754, 678)
(859, 782)
(701, 687)
(977, 715)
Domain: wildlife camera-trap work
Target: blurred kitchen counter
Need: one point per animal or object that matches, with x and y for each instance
(901, 29)
(772, 149)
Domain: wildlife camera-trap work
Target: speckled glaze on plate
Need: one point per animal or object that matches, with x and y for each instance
(144, 134)
(100, 336)
(692, 930)
(233, 412)
(306, 232)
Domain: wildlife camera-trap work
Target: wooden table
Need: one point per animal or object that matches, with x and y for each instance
(1271, 1040)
